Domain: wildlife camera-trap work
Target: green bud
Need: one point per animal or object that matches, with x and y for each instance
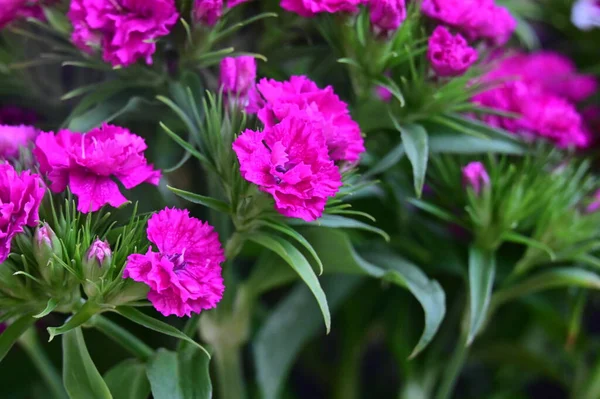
(96, 263)
(45, 245)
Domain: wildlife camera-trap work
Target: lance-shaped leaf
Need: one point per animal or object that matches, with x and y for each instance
(482, 270)
(13, 332)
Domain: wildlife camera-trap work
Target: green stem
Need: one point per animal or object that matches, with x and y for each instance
(123, 337)
(348, 380)
(453, 371)
(32, 347)
(230, 374)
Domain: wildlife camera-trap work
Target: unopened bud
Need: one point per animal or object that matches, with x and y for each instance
(475, 176)
(95, 265)
(45, 245)
(207, 12)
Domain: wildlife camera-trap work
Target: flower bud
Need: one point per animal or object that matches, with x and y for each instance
(207, 12)
(475, 176)
(594, 205)
(387, 15)
(45, 245)
(449, 55)
(97, 260)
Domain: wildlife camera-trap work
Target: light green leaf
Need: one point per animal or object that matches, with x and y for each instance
(416, 145)
(156, 325)
(13, 332)
(105, 112)
(209, 202)
(298, 262)
(458, 143)
(482, 270)
(52, 304)
(80, 376)
(127, 380)
(530, 242)
(183, 375)
(88, 310)
(163, 372)
(341, 222)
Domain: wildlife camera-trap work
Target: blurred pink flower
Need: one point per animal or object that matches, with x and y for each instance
(207, 12)
(20, 198)
(290, 161)
(594, 205)
(87, 164)
(11, 10)
(387, 15)
(184, 276)
(14, 137)
(126, 30)
(585, 14)
(449, 55)
(342, 134)
(310, 8)
(475, 176)
(238, 82)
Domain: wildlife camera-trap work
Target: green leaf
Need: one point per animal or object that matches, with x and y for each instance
(52, 304)
(187, 146)
(289, 327)
(209, 202)
(88, 310)
(156, 325)
(457, 143)
(385, 163)
(341, 222)
(183, 375)
(105, 112)
(298, 262)
(530, 242)
(482, 270)
(57, 20)
(13, 332)
(415, 141)
(127, 380)
(434, 210)
(80, 376)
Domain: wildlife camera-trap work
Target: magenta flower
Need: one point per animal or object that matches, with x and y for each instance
(14, 137)
(449, 55)
(126, 30)
(387, 15)
(475, 176)
(87, 164)
(207, 12)
(477, 19)
(310, 8)
(594, 205)
(342, 134)
(20, 198)
(238, 82)
(290, 161)
(184, 276)
(16, 9)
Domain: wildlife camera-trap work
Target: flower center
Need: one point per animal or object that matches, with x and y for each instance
(178, 262)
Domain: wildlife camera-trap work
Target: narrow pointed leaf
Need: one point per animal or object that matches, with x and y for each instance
(52, 304)
(336, 221)
(13, 332)
(416, 145)
(88, 310)
(482, 271)
(209, 202)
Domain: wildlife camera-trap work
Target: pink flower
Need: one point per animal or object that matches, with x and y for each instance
(383, 94)
(11, 10)
(184, 276)
(477, 19)
(14, 137)
(475, 176)
(342, 134)
(309, 8)
(126, 30)
(87, 164)
(290, 161)
(387, 15)
(594, 205)
(449, 55)
(20, 198)
(208, 12)
(238, 82)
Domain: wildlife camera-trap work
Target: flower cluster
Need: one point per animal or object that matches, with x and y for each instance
(449, 55)
(87, 164)
(14, 137)
(15, 9)
(207, 12)
(310, 8)
(126, 30)
(184, 276)
(387, 15)
(477, 19)
(539, 88)
(20, 198)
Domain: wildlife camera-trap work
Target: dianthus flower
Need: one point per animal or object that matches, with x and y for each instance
(449, 55)
(20, 198)
(238, 81)
(477, 19)
(290, 161)
(387, 15)
(310, 8)
(184, 276)
(207, 12)
(11, 10)
(87, 164)
(342, 134)
(14, 137)
(475, 176)
(126, 30)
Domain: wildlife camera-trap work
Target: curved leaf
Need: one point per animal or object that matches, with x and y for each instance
(13, 332)
(482, 270)
(337, 221)
(209, 202)
(416, 145)
(127, 380)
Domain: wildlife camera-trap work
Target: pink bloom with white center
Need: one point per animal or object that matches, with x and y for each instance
(475, 176)
(310, 8)
(290, 161)
(14, 137)
(87, 164)
(387, 15)
(20, 198)
(184, 275)
(207, 12)
(126, 30)
(449, 55)
(342, 133)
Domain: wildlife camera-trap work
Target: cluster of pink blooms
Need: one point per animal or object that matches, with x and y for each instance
(184, 274)
(20, 198)
(449, 55)
(11, 10)
(208, 12)
(310, 8)
(87, 164)
(541, 89)
(125, 30)
(475, 176)
(12, 138)
(477, 19)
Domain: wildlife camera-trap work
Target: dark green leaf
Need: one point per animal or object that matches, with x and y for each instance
(13, 332)
(182, 375)
(482, 270)
(415, 141)
(457, 143)
(341, 222)
(80, 376)
(105, 112)
(209, 202)
(163, 372)
(127, 380)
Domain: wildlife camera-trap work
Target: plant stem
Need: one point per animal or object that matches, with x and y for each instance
(229, 371)
(123, 337)
(453, 371)
(32, 347)
(348, 377)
